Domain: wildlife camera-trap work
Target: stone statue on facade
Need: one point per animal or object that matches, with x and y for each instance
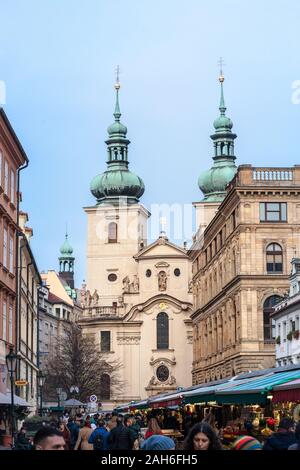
(135, 284)
(88, 298)
(95, 297)
(126, 284)
(162, 281)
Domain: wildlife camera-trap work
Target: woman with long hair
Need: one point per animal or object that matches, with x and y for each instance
(153, 428)
(202, 437)
(66, 434)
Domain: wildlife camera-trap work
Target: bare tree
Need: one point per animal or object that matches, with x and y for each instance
(75, 360)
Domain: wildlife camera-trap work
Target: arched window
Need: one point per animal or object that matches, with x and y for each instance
(274, 258)
(269, 323)
(162, 331)
(112, 232)
(105, 387)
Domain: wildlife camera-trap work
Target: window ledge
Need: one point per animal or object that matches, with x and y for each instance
(273, 221)
(107, 352)
(11, 275)
(159, 350)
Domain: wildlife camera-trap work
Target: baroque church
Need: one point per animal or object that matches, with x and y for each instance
(136, 299)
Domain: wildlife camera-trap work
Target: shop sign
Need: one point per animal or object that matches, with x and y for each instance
(21, 383)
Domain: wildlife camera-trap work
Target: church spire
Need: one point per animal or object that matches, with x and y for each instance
(117, 181)
(66, 262)
(214, 181)
(117, 112)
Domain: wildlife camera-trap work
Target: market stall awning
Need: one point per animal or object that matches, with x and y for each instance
(139, 405)
(255, 391)
(166, 400)
(5, 399)
(207, 394)
(289, 391)
(72, 402)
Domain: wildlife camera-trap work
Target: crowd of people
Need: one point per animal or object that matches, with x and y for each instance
(108, 432)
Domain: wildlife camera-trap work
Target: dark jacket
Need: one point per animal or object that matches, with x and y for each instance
(74, 431)
(280, 441)
(104, 432)
(120, 438)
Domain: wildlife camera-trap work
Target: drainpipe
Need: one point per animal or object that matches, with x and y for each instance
(18, 233)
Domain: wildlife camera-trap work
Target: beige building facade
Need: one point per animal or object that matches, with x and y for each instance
(241, 265)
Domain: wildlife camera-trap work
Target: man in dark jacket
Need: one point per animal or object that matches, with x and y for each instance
(283, 438)
(99, 436)
(120, 437)
(74, 431)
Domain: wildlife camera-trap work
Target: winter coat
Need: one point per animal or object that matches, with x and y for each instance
(280, 441)
(120, 438)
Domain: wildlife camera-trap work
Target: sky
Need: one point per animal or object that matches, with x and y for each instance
(58, 61)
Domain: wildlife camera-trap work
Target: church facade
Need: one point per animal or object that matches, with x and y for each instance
(136, 300)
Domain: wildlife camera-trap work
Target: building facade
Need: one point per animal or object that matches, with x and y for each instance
(248, 233)
(136, 300)
(12, 160)
(286, 321)
(27, 333)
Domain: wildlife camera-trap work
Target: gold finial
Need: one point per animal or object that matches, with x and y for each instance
(221, 76)
(117, 84)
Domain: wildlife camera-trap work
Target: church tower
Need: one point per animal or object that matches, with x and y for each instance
(213, 182)
(66, 263)
(117, 223)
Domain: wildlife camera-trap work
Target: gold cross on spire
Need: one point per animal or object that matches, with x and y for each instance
(221, 63)
(117, 85)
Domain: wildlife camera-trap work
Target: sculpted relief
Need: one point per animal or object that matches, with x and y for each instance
(130, 286)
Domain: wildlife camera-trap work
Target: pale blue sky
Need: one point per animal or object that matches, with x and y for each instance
(57, 59)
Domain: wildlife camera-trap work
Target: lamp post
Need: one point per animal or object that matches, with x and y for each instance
(11, 364)
(41, 380)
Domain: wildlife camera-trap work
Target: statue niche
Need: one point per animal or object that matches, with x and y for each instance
(162, 281)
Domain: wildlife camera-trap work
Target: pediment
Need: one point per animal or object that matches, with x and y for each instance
(161, 248)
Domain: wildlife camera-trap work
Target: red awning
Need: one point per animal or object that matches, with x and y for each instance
(286, 395)
(166, 403)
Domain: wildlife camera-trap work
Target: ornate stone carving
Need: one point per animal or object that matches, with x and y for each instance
(129, 339)
(162, 264)
(190, 339)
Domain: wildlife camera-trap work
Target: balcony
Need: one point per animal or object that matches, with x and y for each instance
(104, 311)
(248, 175)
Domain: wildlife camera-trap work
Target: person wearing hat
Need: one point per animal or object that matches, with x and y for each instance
(283, 438)
(158, 442)
(246, 443)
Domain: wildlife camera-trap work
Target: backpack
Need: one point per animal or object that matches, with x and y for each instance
(98, 442)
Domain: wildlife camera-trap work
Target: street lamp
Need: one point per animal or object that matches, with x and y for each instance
(11, 364)
(41, 380)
